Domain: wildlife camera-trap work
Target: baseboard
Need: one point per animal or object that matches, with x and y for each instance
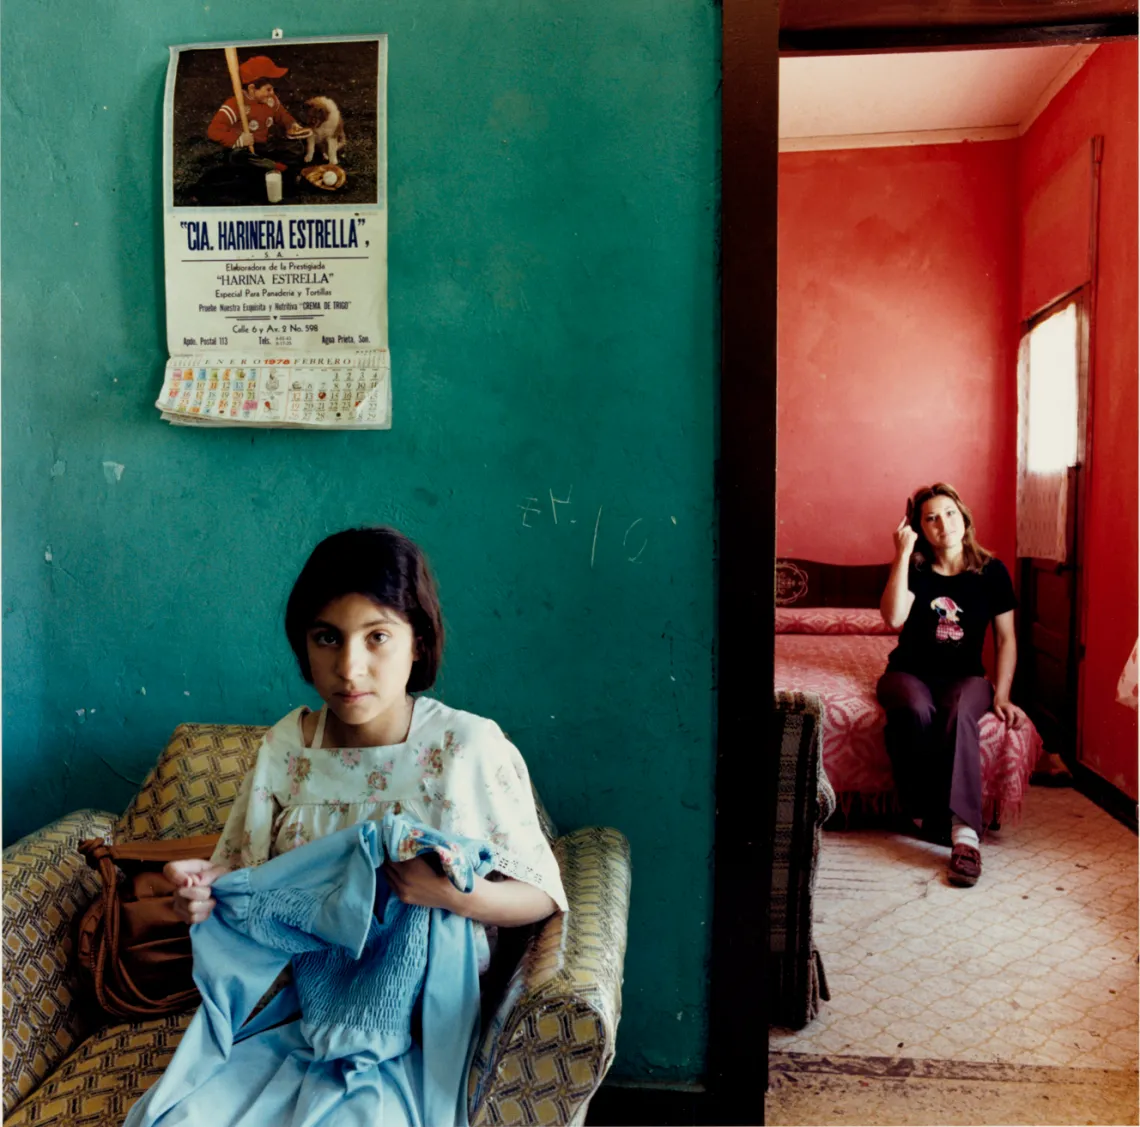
(649, 1105)
(1109, 798)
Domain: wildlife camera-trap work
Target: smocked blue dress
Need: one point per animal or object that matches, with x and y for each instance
(336, 1046)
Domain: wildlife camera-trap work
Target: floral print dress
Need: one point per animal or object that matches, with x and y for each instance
(456, 772)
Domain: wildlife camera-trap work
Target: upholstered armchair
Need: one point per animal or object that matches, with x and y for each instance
(805, 800)
(548, 1035)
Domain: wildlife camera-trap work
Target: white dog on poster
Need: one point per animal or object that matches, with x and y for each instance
(322, 115)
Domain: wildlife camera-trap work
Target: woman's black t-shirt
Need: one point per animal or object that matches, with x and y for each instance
(946, 628)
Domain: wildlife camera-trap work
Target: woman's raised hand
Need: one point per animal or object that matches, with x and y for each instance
(905, 538)
(192, 880)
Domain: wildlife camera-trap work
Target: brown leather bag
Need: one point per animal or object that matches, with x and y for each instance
(131, 947)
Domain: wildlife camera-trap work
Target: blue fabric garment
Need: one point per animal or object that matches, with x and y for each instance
(336, 1046)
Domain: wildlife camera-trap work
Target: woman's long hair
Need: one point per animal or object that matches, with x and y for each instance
(975, 555)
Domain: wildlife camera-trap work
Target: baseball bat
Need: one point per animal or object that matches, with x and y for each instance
(235, 78)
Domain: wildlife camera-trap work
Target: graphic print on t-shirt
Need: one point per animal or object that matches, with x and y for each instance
(947, 629)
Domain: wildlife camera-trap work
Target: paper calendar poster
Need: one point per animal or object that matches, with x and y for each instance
(275, 215)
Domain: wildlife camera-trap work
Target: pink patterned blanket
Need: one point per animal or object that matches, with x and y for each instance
(843, 668)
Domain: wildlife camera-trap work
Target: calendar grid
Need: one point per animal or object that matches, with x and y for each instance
(347, 391)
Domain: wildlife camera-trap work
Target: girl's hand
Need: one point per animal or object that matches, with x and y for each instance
(905, 539)
(1010, 713)
(499, 903)
(416, 882)
(192, 880)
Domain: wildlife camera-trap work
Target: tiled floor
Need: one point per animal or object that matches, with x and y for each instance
(1036, 965)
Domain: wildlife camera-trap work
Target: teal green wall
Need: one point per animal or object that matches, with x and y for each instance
(553, 177)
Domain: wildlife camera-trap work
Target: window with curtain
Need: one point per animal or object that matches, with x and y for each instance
(1049, 421)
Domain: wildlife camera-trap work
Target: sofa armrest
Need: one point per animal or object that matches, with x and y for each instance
(547, 1047)
(804, 801)
(47, 885)
(800, 716)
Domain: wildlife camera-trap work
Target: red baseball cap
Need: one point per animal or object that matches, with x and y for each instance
(260, 66)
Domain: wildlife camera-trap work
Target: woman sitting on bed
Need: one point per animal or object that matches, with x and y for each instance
(944, 589)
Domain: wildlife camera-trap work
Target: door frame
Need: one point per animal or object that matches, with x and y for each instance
(746, 774)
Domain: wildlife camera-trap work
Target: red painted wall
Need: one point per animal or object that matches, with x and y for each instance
(897, 340)
(1102, 98)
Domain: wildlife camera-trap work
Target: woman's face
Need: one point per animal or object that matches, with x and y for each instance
(361, 656)
(943, 525)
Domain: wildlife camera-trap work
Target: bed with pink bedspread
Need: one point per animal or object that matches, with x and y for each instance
(840, 653)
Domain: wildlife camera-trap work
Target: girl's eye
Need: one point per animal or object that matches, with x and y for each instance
(324, 637)
(380, 637)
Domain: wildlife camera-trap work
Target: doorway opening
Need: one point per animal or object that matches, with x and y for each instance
(925, 230)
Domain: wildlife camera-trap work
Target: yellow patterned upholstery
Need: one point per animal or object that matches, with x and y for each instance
(542, 1055)
(551, 1040)
(97, 1084)
(47, 885)
(193, 784)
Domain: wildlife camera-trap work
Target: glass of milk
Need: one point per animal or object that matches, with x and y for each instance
(273, 186)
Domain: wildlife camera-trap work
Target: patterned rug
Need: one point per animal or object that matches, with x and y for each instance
(807, 1089)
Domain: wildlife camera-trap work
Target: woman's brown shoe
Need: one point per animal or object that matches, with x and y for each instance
(965, 865)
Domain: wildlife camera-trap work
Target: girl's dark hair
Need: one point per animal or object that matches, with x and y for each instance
(975, 555)
(383, 565)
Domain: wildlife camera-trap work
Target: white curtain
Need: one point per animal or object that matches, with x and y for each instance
(1046, 433)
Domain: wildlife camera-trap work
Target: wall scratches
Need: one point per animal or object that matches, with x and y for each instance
(529, 508)
(625, 538)
(115, 771)
(555, 501)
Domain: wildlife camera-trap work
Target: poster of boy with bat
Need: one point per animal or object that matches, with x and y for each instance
(275, 222)
(254, 112)
(305, 113)
(254, 116)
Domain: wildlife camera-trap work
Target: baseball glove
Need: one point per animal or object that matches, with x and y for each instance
(328, 177)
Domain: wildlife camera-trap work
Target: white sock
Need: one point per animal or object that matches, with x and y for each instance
(961, 834)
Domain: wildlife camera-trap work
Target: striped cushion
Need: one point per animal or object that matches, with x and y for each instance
(804, 801)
